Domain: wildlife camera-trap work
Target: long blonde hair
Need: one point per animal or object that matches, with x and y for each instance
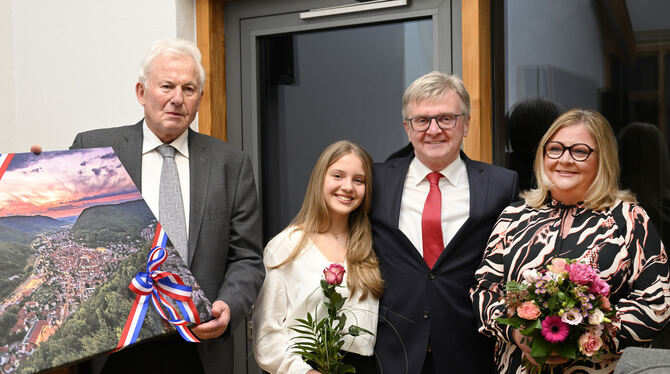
(604, 191)
(313, 217)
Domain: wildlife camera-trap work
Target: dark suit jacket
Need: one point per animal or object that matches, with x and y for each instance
(424, 308)
(224, 244)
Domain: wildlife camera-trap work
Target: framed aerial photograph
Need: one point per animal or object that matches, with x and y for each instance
(74, 233)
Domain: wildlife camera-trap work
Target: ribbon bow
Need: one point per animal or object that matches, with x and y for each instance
(154, 285)
(5, 159)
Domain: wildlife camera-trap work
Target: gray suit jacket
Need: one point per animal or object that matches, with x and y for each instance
(224, 244)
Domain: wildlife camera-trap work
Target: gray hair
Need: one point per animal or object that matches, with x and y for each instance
(433, 86)
(179, 47)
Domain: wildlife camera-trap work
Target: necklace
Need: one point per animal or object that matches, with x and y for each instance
(337, 236)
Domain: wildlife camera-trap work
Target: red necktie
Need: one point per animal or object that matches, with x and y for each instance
(431, 223)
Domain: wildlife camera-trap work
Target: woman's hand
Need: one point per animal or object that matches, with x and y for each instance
(313, 372)
(522, 341)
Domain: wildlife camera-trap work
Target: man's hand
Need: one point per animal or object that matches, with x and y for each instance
(36, 149)
(217, 326)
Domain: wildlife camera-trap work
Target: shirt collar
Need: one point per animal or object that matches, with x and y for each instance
(150, 141)
(454, 172)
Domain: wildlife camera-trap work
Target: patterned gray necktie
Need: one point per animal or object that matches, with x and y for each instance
(170, 203)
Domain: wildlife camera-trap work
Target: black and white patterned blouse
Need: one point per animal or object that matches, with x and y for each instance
(619, 241)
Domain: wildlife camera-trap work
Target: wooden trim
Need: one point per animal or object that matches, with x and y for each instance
(210, 41)
(476, 28)
(619, 13)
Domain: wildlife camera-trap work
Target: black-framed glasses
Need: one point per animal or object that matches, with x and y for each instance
(444, 121)
(578, 151)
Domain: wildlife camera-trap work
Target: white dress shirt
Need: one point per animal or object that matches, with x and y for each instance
(455, 190)
(152, 161)
(288, 293)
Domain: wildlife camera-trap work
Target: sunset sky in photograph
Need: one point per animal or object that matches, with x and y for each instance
(62, 183)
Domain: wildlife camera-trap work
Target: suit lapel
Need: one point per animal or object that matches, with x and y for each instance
(129, 152)
(479, 183)
(396, 184)
(199, 170)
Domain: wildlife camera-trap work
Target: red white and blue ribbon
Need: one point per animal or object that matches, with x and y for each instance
(5, 159)
(153, 285)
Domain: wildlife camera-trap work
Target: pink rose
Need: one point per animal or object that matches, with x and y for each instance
(589, 343)
(581, 273)
(599, 287)
(558, 266)
(605, 303)
(528, 310)
(334, 274)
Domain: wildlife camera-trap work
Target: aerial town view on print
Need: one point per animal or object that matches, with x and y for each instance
(74, 232)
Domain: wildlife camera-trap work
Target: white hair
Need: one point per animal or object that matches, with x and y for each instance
(180, 47)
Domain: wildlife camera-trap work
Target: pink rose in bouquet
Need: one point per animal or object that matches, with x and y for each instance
(334, 274)
(590, 343)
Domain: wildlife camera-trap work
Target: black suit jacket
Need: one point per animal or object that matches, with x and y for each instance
(224, 244)
(424, 308)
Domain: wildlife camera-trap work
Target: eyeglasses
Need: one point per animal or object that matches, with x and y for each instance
(578, 151)
(444, 121)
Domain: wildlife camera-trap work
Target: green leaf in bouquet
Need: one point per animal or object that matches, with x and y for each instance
(514, 286)
(306, 346)
(554, 304)
(532, 327)
(540, 349)
(344, 369)
(343, 320)
(511, 321)
(303, 330)
(356, 331)
(337, 301)
(566, 349)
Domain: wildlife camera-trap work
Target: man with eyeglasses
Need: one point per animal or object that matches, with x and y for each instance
(432, 213)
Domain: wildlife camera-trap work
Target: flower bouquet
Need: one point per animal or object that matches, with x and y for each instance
(320, 342)
(564, 309)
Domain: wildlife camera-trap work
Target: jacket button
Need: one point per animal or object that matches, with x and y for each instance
(426, 315)
(431, 275)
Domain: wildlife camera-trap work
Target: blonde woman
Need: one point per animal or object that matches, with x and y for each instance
(577, 212)
(331, 227)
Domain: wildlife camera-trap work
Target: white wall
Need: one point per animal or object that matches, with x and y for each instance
(7, 101)
(557, 42)
(71, 65)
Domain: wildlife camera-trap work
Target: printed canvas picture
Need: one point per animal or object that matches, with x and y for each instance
(74, 233)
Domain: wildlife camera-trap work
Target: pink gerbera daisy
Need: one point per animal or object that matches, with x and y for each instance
(554, 330)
